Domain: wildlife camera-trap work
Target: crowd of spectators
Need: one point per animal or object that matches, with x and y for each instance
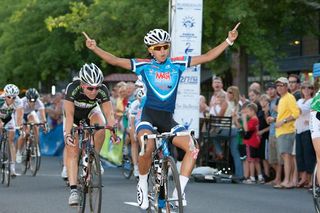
(273, 126)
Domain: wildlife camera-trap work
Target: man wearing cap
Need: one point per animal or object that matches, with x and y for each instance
(288, 112)
(274, 156)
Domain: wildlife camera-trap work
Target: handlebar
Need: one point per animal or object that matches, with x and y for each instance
(144, 138)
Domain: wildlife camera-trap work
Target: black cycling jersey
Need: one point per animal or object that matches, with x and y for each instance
(83, 104)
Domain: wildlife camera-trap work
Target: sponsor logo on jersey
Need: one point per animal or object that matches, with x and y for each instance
(163, 75)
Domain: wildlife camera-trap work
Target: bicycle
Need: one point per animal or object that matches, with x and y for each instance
(31, 152)
(89, 173)
(5, 157)
(127, 164)
(316, 190)
(163, 174)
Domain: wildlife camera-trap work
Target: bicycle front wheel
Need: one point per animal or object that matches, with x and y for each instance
(316, 190)
(172, 188)
(5, 163)
(93, 184)
(127, 166)
(34, 157)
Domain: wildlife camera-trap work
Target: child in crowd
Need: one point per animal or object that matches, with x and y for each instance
(252, 140)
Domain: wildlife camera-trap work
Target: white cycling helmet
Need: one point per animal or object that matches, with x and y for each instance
(91, 74)
(157, 36)
(140, 93)
(11, 90)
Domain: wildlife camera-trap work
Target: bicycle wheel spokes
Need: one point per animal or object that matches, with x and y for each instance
(94, 183)
(171, 184)
(316, 191)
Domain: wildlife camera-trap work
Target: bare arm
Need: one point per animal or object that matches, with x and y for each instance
(19, 116)
(106, 56)
(216, 51)
(69, 113)
(108, 112)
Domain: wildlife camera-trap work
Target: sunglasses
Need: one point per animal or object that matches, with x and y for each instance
(292, 82)
(11, 97)
(92, 88)
(306, 87)
(159, 47)
(230, 92)
(280, 85)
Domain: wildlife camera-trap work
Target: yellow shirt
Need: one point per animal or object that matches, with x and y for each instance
(287, 107)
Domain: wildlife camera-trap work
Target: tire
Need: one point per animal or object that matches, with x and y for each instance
(92, 193)
(172, 182)
(153, 192)
(82, 188)
(5, 163)
(127, 167)
(39, 156)
(315, 191)
(34, 157)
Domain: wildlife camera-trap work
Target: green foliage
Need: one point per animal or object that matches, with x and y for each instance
(41, 40)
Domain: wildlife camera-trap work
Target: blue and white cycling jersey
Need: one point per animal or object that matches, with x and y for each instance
(161, 80)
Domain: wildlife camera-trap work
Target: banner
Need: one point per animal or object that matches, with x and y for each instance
(186, 34)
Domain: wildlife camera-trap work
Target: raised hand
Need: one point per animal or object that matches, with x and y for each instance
(233, 34)
(90, 43)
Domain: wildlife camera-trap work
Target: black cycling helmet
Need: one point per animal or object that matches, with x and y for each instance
(32, 94)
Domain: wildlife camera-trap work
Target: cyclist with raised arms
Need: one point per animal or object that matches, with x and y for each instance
(10, 103)
(32, 106)
(161, 75)
(86, 99)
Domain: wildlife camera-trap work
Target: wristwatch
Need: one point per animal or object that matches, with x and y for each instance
(285, 121)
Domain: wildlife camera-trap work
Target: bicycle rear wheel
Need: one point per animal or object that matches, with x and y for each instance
(5, 163)
(316, 190)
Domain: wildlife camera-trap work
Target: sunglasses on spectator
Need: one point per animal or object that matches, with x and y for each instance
(230, 92)
(90, 88)
(306, 87)
(159, 47)
(11, 97)
(292, 82)
(280, 85)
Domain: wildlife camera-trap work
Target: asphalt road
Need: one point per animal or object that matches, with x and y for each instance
(47, 193)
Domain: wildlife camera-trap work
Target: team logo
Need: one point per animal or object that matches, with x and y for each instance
(163, 75)
(188, 22)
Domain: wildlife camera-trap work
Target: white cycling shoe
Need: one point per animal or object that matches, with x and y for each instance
(142, 197)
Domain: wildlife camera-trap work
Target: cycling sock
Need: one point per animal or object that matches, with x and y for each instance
(143, 182)
(183, 182)
(73, 187)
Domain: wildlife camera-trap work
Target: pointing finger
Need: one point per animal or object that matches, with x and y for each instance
(85, 35)
(236, 27)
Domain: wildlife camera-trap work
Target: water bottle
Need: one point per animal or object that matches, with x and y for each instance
(165, 148)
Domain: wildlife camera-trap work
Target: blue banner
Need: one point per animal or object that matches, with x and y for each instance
(52, 143)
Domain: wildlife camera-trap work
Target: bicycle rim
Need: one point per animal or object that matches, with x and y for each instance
(127, 167)
(34, 157)
(153, 191)
(172, 182)
(315, 194)
(6, 159)
(94, 183)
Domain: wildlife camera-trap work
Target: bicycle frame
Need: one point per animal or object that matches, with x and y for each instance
(160, 180)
